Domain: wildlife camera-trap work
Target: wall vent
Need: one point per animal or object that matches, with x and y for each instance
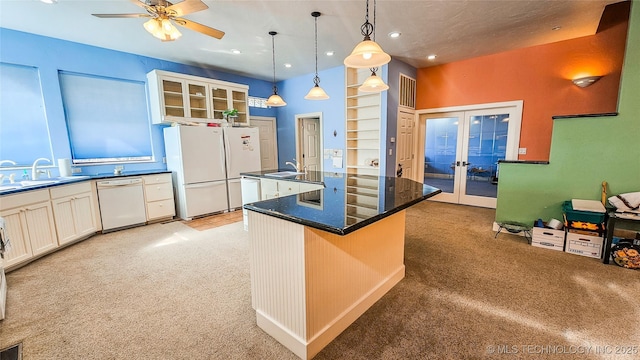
(407, 92)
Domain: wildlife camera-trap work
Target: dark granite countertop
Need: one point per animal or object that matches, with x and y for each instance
(44, 183)
(347, 203)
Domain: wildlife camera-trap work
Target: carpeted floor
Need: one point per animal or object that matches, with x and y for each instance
(168, 291)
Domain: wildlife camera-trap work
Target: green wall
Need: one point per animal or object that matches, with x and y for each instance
(584, 153)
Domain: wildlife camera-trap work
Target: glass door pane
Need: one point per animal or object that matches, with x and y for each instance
(440, 152)
(486, 143)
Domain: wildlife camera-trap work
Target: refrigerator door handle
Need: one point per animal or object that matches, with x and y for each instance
(227, 152)
(201, 185)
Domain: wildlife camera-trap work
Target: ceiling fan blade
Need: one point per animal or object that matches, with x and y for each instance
(121, 15)
(186, 7)
(143, 5)
(200, 28)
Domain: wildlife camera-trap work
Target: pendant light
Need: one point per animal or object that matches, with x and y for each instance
(373, 83)
(367, 54)
(275, 99)
(316, 92)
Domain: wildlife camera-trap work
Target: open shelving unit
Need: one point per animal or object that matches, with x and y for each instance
(363, 121)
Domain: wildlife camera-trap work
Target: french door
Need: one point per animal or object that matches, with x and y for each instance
(461, 148)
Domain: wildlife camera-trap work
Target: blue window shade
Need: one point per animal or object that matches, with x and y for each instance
(24, 133)
(107, 119)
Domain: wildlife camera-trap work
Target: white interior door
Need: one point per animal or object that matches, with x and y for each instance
(461, 150)
(309, 141)
(268, 141)
(405, 145)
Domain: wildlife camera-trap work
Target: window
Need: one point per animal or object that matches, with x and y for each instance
(24, 133)
(107, 119)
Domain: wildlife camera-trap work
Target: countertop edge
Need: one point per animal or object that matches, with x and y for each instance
(262, 175)
(339, 231)
(82, 178)
(535, 162)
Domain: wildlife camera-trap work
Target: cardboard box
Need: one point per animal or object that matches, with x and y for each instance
(582, 243)
(548, 238)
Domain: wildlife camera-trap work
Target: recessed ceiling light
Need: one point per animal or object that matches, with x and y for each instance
(236, 51)
(287, 65)
(395, 34)
(49, 1)
(431, 57)
(556, 28)
(330, 53)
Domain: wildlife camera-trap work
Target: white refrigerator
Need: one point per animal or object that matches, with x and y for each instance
(242, 150)
(200, 158)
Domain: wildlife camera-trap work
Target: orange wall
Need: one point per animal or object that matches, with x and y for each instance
(540, 76)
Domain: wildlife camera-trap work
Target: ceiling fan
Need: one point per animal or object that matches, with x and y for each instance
(163, 13)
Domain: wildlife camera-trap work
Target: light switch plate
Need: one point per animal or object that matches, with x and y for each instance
(522, 151)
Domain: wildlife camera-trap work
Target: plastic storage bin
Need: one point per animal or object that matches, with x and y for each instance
(584, 216)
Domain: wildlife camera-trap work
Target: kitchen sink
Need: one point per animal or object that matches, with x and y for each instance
(284, 174)
(9, 187)
(38, 182)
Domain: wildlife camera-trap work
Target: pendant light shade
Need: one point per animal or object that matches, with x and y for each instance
(373, 83)
(316, 92)
(367, 54)
(275, 99)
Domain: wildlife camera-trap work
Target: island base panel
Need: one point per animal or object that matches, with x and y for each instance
(309, 285)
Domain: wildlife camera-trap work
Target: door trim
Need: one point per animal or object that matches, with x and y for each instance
(299, 118)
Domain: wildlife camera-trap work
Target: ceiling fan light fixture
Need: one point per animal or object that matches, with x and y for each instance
(162, 29)
(373, 84)
(367, 54)
(316, 92)
(275, 99)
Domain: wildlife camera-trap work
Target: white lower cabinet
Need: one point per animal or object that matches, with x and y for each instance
(29, 225)
(74, 209)
(158, 194)
(270, 189)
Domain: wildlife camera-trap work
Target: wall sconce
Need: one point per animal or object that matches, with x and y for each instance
(586, 81)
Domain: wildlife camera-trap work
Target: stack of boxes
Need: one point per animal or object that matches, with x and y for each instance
(583, 233)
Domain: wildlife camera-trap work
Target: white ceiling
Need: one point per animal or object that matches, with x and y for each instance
(452, 29)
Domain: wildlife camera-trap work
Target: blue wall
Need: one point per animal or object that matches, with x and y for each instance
(333, 112)
(50, 55)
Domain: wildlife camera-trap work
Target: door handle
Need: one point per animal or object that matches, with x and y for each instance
(457, 163)
(464, 163)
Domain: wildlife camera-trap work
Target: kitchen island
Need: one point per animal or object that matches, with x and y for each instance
(320, 259)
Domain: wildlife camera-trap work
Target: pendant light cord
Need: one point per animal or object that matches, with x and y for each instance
(273, 58)
(366, 29)
(316, 79)
(374, 69)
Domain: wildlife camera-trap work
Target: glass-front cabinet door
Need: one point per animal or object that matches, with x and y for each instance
(198, 101)
(173, 95)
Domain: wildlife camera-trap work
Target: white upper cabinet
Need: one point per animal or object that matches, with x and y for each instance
(190, 99)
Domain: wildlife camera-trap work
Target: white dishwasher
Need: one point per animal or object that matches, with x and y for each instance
(121, 203)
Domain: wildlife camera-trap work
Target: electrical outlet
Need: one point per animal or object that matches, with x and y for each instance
(164, 159)
(522, 151)
(390, 152)
(76, 170)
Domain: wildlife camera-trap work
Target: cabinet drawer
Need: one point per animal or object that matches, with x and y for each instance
(156, 179)
(71, 189)
(158, 191)
(22, 199)
(160, 209)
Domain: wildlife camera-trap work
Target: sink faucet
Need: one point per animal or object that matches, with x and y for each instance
(35, 173)
(295, 166)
